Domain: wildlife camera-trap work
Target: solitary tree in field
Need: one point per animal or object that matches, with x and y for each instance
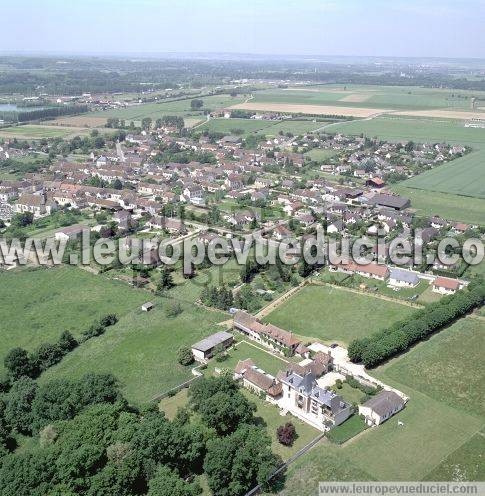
(196, 104)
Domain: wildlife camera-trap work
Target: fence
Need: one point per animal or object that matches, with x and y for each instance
(179, 387)
(302, 451)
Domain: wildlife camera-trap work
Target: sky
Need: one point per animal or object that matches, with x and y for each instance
(396, 28)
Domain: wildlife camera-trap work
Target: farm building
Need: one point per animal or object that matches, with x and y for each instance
(203, 350)
(146, 307)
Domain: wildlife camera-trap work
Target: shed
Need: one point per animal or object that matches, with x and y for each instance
(146, 307)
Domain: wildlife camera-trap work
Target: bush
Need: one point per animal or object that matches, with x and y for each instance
(94, 330)
(109, 320)
(185, 356)
(173, 310)
(286, 434)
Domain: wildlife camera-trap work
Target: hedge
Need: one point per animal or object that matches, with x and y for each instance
(386, 343)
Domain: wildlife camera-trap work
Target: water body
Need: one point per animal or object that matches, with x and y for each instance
(13, 107)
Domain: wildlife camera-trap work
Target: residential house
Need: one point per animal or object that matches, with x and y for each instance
(381, 407)
(445, 285)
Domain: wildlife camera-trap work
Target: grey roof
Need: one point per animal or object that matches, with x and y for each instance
(212, 341)
(393, 201)
(403, 275)
(385, 403)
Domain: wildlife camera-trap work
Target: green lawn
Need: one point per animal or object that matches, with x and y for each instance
(263, 359)
(465, 463)
(320, 155)
(293, 126)
(350, 428)
(170, 404)
(38, 305)
(333, 314)
(269, 416)
(448, 206)
(141, 349)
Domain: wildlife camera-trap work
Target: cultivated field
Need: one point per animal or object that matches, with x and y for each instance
(39, 132)
(453, 207)
(293, 108)
(399, 98)
(84, 120)
(333, 314)
(421, 130)
(240, 126)
(464, 176)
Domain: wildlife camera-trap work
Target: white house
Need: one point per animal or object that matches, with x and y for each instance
(381, 407)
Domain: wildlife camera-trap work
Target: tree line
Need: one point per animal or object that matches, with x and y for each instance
(398, 337)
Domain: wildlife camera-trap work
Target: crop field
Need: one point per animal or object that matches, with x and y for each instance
(380, 97)
(419, 130)
(333, 314)
(38, 305)
(440, 416)
(453, 207)
(298, 108)
(464, 176)
(39, 132)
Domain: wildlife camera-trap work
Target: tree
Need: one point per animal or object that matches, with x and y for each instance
(166, 280)
(236, 463)
(185, 356)
(18, 363)
(167, 482)
(286, 434)
(18, 406)
(67, 342)
(109, 320)
(117, 184)
(196, 104)
(22, 219)
(224, 411)
(47, 355)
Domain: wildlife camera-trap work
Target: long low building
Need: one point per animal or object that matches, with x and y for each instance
(381, 407)
(203, 350)
(269, 335)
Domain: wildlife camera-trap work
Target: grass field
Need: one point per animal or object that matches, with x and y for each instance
(333, 314)
(320, 155)
(350, 428)
(453, 207)
(180, 107)
(228, 126)
(141, 349)
(39, 132)
(453, 359)
(38, 305)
